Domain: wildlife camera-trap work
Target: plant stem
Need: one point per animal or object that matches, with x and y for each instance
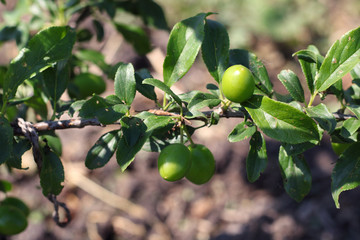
(312, 98)
(188, 135)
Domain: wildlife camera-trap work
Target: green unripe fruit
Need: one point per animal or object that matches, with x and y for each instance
(174, 162)
(202, 164)
(238, 83)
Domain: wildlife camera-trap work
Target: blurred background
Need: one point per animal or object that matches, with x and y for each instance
(139, 204)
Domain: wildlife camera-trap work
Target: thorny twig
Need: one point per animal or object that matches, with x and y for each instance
(30, 132)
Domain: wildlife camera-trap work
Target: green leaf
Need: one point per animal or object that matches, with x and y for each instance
(295, 149)
(136, 36)
(355, 109)
(355, 72)
(56, 79)
(184, 44)
(242, 131)
(19, 148)
(349, 129)
(94, 57)
(5, 186)
(103, 150)
(256, 160)
(125, 83)
(52, 174)
(323, 116)
(346, 173)
(152, 14)
(145, 89)
(215, 49)
(99, 29)
(45, 48)
(281, 121)
(213, 89)
(251, 61)
(6, 140)
(133, 139)
(342, 57)
(53, 141)
(296, 175)
(201, 100)
(105, 111)
(162, 86)
(292, 83)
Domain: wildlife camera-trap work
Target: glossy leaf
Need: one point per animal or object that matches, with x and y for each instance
(346, 173)
(184, 44)
(355, 109)
(281, 121)
(6, 140)
(215, 49)
(162, 86)
(103, 150)
(145, 89)
(125, 83)
(342, 57)
(52, 174)
(292, 83)
(134, 137)
(136, 36)
(349, 129)
(323, 116)
(201, 100)
(106, 112)
(45, 48)
(296, 149)
(242, 131)
(256, 160)
(251, 61)
(296, 175)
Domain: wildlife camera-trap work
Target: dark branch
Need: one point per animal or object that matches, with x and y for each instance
(80, 123)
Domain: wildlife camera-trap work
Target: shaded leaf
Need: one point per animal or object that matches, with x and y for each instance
(19, 148)
(346, 173)
(323, 116)
(162, 86)
(201, 100)
(242, 131)
(136, 36)
(251, 61)
(103, 150)
(145, 89)
(296, 175)
(152, 14)
(292, 83)
(6, 140)
(52, 174)
(256, 160)
(215, 49)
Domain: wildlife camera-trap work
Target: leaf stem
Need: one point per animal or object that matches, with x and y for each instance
(312, 98)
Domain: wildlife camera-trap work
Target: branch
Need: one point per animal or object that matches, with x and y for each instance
(81, 123)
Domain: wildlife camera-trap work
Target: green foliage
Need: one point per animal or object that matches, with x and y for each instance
(54, 62)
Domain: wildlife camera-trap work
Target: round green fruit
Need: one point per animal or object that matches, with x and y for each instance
(12, 220)
(339, 148)
(238, 83)
(174, 162)
(202, 164)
